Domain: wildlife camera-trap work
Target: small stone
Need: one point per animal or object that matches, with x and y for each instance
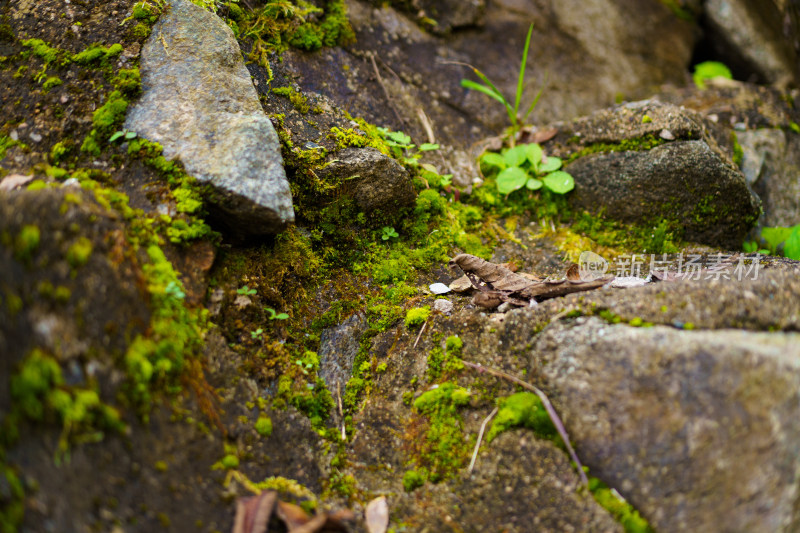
(35, 137)
(667, 135)
(443, 306)
(439, 288)
(505, 307)
(14, 136)
(71, 182)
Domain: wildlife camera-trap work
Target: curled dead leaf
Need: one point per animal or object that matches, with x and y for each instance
(498, 284)
(253, 515)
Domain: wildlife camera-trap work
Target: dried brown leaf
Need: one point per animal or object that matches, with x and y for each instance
(13, 181)
(292, 515)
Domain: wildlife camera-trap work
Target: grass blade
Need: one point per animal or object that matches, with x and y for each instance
(535, 100)
(521, 79)
(469, 84)
(511, 114)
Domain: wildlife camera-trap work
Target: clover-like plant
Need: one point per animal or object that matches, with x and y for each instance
(527, 166)
(274, 315)
(389, 233)
(489, 89)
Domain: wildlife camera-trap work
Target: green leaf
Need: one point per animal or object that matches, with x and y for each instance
(775, 236)
(559, 182)
(469, 84)
(750, 246)
(426, 147)
(521, 79)
(533, 184)
(511, 179)
(708, 70)
(534, 154)
(130, 135)
(550, 164)
(792, 247)
(516, 156)
(493, 159)
(512, 117)
(116, 136)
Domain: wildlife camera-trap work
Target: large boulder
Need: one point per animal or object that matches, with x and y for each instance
(200, 104)
(646, 160)
(698, 429)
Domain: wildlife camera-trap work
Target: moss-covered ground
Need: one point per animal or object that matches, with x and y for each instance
(68, 84)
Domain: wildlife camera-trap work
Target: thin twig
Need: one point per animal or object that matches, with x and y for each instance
(385, 90)
(547, 405)
(480, 437)
(420, 334)
(341, 411)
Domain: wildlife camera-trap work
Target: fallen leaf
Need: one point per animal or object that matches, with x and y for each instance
(13, 181)
(253, 514)
(377, 515)
(498, 284)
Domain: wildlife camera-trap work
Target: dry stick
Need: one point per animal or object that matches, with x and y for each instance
(480, 437)
(385, 91)
(341, 411)
(547, 405)
(420, 334)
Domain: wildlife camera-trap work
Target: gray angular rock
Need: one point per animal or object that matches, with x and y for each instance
(199, 102)
(374, 180)
(685, 181)
(697, 429)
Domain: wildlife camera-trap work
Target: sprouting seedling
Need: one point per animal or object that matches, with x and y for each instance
(257, 333)
(490, 90)
(400, 143)
(389, 233)
(305, 367)
(245, 290)
(527, 166)
(275, 316)
(127, 135)
(174, 290)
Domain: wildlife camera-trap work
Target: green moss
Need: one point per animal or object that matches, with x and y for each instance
(413, 479)
(13, 503)
(26, 242)
(647, 142)
(141, 31)
(6, 142)
(79, 253)
(264, 425)
(299, 101)
(621, 510)
(738, 153)
(42, 50)
(444, 361)
(417, 316)
(444, 447)
(59, 152)
(97, 54)
(230, 462)
(523, 409)
(51, 82)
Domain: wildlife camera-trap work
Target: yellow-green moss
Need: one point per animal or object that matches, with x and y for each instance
(522, 409)
(416, 316)
(79, 252)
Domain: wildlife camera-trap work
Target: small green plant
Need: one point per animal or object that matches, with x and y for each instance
(275, 316)
(401, 145)
(174, 290)
(256, 334)
(490, 90)
(389, 233)
(245, 290)
(526, 166)
(777, 241)
(127, 135)
(708, 70)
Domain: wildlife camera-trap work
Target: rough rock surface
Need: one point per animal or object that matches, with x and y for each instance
(688, 178)
(772, 160)
(213, 123)
(666, 416)
(338, 347)
(67, 308)
(539, 493)
(751, 31)
(374, 180)
(685, 181)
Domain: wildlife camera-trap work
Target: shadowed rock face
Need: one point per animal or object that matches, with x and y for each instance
(200, 104)
(697, 429)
